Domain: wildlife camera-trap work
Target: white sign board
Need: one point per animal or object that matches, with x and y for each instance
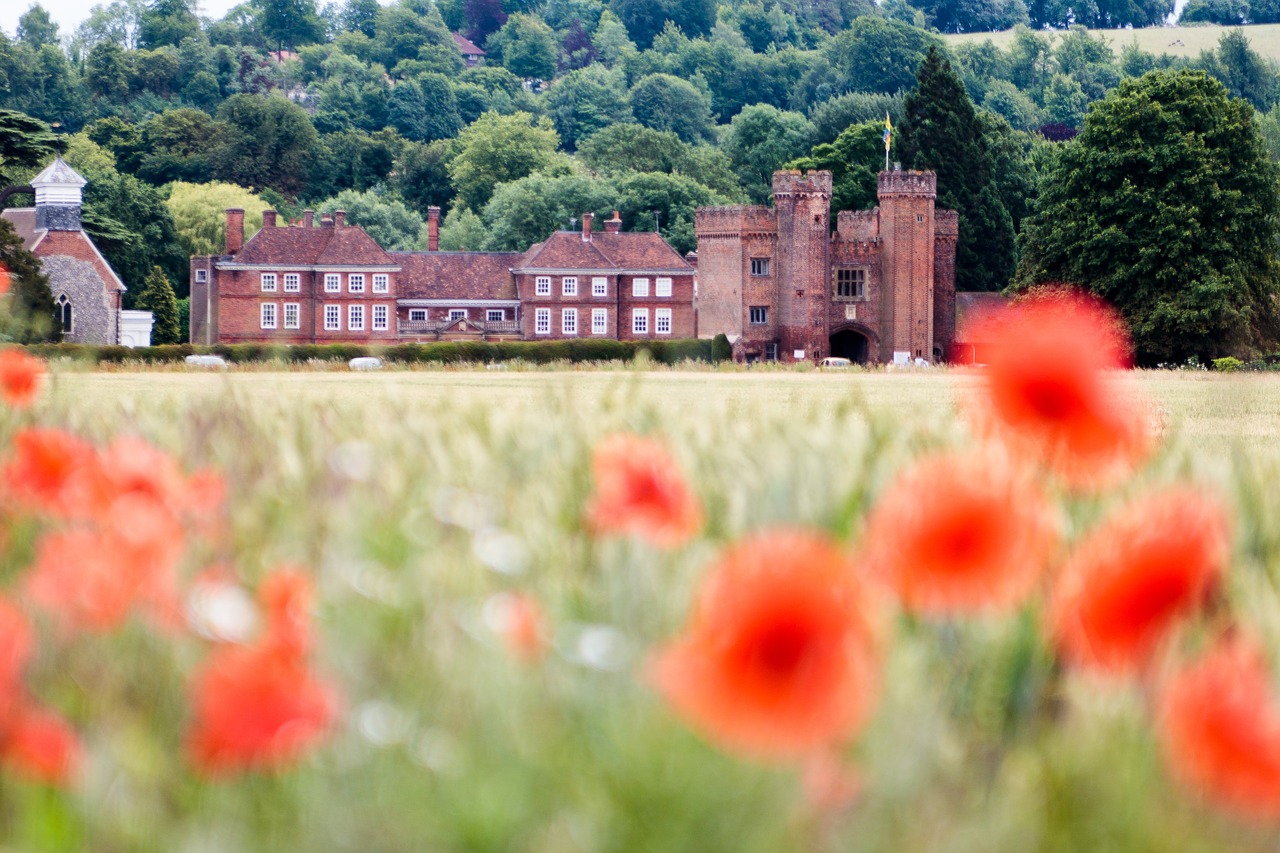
(902, 358)
(799, 355)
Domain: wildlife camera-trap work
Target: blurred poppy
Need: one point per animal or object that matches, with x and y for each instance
(1049, 388)
(1220, 727)
(40, 746)
(960, 532)
(518, 620)
(778, 658)
(20, 376)
(1136, 575)
(16, 646)
(829, 783)
(6, 279)
(259, 706)
(640, 491)
(44, 467)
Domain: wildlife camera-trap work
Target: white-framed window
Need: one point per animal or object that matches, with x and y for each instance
(542, 321)
(381, 283)
(202, 276)
(569, 285)
(457, 314)
(292, 315)
(417, 315)
(640, 321)
(381, 318)
(332, 282)
(759, 266)
(542, 285)
(268, 282)
(355, 318)
(268, 315)
(662, 321)
(662, 287)
(599, 321)
(599, 286)
(569, 321)
(639, 287)
(332, 318)
(355, 282)
(495, 315)
(758, 315)
(292, 282)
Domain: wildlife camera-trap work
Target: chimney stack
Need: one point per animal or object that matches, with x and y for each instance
(614, 225)
(268, 219)
(326, 221)
(308, 218)
(339, 218)
(586, 227)
(433, 229)
(235, 229)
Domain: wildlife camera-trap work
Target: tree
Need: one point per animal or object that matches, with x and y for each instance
(525, 46)
(941, 131)
(463, 231)
(672, 198)
(24, 142)
(760, 140)
(157, 296)
(584, 101)
(106, 72)
(496, 149)
(263, 142)
(36, 28)
(645, 19)
(664, 102)
(168, 22)
(623, 148)
(854, 160)
(199, 214)
(361, 16)
(175, 147)
(392, 225)
(421, 176)
(1242, 70)
(484, 17)
(873, 55)
(831, 118)
(27, 312)
(531, 209)
(424, 109)
(402, 33)
(1167, 206)
(289, 23)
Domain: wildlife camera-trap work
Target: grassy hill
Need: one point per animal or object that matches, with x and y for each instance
(1179, 41)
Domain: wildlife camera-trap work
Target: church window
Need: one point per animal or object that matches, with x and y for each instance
(759, 266)
(759, 315)
(851, 283)
(64, 313)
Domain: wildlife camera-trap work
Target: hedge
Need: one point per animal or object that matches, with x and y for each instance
(538, 352)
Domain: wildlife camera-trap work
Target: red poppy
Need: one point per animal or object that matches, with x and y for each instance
(6, 279)
(44, 468)
(640, 491)
(41, 746)
(20, 376)
(778, 659)
(960, 532)
(16, 645)
(1050, 388)
(1136, 575)
(518, 620)
(1220, 727)
(259, 706)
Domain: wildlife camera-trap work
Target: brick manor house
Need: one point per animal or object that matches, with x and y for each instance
(777, 281)
(329, 282)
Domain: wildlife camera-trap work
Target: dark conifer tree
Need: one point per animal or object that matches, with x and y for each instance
(157, 296)
(941, 131)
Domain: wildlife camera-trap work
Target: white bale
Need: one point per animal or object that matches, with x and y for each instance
(365, 363)
(215, 362)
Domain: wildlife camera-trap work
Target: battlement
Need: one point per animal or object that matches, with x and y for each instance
(909, 182)
(734, 219)
(858, 225)
(788, 182)
(946, 223)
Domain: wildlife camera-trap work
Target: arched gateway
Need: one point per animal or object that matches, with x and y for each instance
(852, 342)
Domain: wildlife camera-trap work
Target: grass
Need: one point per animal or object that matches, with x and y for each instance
(1177, 41)
(415, 497)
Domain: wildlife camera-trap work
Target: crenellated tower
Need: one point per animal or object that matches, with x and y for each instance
(907, 239)
(803, 205)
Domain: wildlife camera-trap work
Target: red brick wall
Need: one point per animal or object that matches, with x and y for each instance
(240, 297)
(907, 239)
(803, 205)
(728, 237)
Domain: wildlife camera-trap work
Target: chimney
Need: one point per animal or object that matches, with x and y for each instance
(433, 229)
(339, 218)
(268, 219)
(614, 225)
(326, 221)
(691, 259)
(586, 227)
(235, 229)
(308, 218)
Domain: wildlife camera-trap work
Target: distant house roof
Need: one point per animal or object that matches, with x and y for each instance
(23, 220)
(466, 46)
(347, 245)
(974, 308)
(635, 250)
(457, 275)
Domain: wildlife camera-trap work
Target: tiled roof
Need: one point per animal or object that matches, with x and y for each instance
(466, 46)
(971, 308)
(58, 172)
(639, 250)
(457, 275)
(23, 220)
(296, 246)
(565, 250)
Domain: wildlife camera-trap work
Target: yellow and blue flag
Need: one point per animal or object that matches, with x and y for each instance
(888, 131)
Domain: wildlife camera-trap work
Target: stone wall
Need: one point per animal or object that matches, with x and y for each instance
(93, 309)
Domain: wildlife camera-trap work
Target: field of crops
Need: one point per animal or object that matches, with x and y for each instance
(485, 661)
(1177, 41)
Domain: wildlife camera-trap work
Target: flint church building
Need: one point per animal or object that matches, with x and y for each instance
(777, 281)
